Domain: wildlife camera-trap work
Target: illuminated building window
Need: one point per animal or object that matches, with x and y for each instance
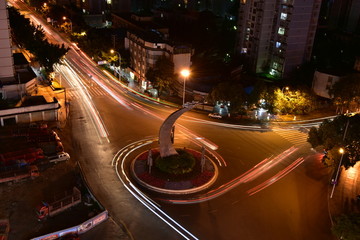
(278, 44)
(244, 50)
(283, 16)
(273, 72)
(281, 31)
(275, 65)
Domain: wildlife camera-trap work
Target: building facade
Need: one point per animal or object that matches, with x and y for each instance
(147, 47)
(6, 59)
(276, 36)
(323, 82)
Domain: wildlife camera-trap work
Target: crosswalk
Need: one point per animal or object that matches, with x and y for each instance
(93, 91)
(295, 137)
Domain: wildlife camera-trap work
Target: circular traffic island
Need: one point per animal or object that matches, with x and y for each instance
(185, 173)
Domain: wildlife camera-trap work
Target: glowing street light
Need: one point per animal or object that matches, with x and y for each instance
(334, 181)
(65, 18)
(286, 88)
(112, 51)
(185, 73)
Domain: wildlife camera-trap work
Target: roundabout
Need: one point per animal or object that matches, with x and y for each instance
(203, 174)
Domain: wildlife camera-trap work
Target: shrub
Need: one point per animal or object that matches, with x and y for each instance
(182, 163)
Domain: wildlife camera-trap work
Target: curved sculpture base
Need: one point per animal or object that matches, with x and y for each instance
(198, 180)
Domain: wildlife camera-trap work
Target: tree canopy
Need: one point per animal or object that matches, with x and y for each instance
(347, 227)
(342, 132)
(346, 92)
(162, 75)
(292, 102)
(26, 35)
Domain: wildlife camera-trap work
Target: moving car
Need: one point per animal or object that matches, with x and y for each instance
(215, 115)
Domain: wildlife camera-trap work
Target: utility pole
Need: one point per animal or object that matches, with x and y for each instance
(342, 155)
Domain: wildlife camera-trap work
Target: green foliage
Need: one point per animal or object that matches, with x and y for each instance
(330, 135)
(182, 163)
(93, 43)
(346, 91)
(162, 75)
(313, 137)
(228, 91)
(347, 227)
(33, 39)
(292, 102)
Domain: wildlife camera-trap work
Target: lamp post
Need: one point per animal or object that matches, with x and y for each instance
(185, 73)
(71, 28)
(334, 181)
(341, 150)
(112, 52)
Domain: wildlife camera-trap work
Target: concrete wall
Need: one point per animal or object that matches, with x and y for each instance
(322, 82)
(15, 91)
(44, 112)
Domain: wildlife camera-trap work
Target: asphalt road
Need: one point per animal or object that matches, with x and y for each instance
(264, 205)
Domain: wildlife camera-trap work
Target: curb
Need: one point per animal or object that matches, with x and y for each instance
(173, 191)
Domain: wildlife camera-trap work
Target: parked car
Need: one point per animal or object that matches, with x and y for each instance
(215, 115)
(62, 156)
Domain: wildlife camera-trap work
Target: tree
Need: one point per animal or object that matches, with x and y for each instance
(313, 137)
(228, 91)
(33, 39)
(162, 75)
(346, 91)
(347, 227)
(292, 102)
(342, 132)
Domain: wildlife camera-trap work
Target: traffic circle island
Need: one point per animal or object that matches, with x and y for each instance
(147, 170)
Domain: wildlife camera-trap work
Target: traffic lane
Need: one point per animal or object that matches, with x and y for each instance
(292, 208)
(124, 127)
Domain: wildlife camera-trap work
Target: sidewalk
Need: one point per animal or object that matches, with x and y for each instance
(344, 197)
(109, 229)
(49, 93)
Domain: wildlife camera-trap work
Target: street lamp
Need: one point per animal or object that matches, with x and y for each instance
(334, 181)
(286, 88)
(112, 52)
(71, 28)
(185, 73)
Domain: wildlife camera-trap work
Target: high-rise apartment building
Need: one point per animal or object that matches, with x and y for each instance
(6, 60)
(277, 36)
(342, 15)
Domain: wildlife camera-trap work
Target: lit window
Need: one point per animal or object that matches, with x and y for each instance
(278, 44)
(283, 16)
(281, 31)
(275, 65)
(244, 50)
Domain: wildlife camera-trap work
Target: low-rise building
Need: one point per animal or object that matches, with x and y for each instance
(323, 82)
(146, 47)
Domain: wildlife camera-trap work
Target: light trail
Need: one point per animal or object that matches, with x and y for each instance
(276, 177)
(245, 177)
(73, 79)
(142, 198)
(221, 161)
(202, 140)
